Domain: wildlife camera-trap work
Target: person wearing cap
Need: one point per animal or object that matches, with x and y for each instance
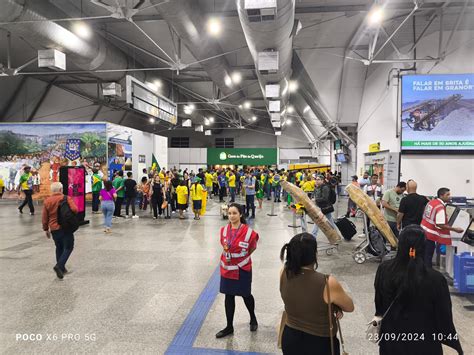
(351, 206)
(196, 196)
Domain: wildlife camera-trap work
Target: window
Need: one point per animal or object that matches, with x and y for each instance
(224, 142)
(179, 142)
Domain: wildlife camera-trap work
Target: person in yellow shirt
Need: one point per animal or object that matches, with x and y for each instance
(231, 180)
(209, 180)
(196, 196)
(215, 184)
(308, 186)
(2, 186)
(299, 175)
(182, 193)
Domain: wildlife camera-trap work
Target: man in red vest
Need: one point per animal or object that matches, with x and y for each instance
(435, 224)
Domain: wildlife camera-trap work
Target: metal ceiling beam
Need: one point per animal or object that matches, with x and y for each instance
(12, 98)
(41, 99)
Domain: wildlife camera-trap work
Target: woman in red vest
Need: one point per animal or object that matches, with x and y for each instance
(239, 241)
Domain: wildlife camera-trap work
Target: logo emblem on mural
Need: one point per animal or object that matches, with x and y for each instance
(72, 151)
(223, 156)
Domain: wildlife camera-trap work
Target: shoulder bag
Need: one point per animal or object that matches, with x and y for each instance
(372, 333)
(331, 327)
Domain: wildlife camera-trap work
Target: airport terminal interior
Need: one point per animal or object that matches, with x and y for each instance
(237, 177)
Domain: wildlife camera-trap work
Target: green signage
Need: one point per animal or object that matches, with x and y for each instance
(241, 156)
(437, 143)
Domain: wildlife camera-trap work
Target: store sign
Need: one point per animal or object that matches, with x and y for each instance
(242, 156)
(374, 148)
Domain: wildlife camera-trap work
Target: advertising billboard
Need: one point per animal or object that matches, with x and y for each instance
(437, 113)
(242, 156)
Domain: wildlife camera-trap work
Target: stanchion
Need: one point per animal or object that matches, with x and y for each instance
(294, 222)
(272, 213)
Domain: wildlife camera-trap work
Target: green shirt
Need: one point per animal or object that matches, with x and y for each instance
(393, 199)
(118, 182)
(26, 181)
(96, 183)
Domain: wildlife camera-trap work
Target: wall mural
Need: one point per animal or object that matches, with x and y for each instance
(47, 147)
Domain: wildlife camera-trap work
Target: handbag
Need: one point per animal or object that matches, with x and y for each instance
(282, 328)
(372, 333)
(331, 327)
(164, 205)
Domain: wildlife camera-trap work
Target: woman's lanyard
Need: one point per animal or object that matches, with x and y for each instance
(227, 246)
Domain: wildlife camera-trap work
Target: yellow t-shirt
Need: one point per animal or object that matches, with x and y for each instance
(209, 179)
(162, 176)
(308, 186)
(214, 178)
(196, 192)
(298, 177)
(182, 192)
(232, 181)
(227, 174)
(2, 183)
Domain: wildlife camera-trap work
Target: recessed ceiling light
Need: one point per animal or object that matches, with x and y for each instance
(82, 30)
(236, 77)
(214, 26)
(247, 104)
(254, 118)
(151, 120)
(290, 109)
(293, 86)
(375, 16)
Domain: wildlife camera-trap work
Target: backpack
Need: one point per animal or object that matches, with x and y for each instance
(67, 219)
(332, 195)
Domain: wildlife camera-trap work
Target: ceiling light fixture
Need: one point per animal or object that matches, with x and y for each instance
(247, 104)
(206, 121)
(211, 119)
(254, 118)
(228, 81)
(214, 26)
(306, 109)
(151, 120)
(236, 77)
(293, 86)
(289, 121)
(375, 16)
(82, 30)
(290, 109)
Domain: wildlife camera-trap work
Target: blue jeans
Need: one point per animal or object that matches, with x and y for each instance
(276, 193)
(304, 226)
(64, 246)
(331, 222)
(108, 208)
(250, 205)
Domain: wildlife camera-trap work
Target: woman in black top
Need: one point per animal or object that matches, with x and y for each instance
(420, 318)
(157, 196)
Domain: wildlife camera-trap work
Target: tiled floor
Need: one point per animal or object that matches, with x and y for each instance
(131, 291)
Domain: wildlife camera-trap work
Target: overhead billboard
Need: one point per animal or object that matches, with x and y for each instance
(437, 113)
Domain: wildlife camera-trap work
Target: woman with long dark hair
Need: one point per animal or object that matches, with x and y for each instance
(304, 291)
(414, 301)
(238, 241)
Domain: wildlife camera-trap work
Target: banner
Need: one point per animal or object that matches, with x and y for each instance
(73, 151)
(76, 187)
(437, 112)
(242, 156)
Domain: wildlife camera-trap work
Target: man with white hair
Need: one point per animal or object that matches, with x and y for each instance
(63, 239)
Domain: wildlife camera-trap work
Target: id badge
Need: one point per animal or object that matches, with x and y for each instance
(227, 257)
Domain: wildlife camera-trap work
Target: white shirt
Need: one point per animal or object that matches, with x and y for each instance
(441, 215)
(374, 191)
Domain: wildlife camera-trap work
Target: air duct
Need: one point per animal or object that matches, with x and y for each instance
(91, 54)
(268, 28)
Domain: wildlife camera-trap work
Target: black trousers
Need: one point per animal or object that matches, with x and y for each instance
(222, 193)
(430, 248)
(156, 205)
(129, 201)
(95, 201)
(64, 242)
(118, 206)
(28, 200)
(296, 342)
(250, 205)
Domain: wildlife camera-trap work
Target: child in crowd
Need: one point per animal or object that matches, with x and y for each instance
(182, 193)
(196, 196)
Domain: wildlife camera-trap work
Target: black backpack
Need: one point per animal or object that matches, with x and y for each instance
(332, 195)
(67, 219)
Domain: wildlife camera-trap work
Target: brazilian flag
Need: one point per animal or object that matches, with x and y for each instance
(154, 164)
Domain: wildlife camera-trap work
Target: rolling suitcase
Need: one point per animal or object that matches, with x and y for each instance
(346, 227)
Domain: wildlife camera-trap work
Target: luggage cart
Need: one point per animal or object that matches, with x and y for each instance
(373, 246)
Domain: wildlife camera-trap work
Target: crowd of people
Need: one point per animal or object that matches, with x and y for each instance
(410, 296)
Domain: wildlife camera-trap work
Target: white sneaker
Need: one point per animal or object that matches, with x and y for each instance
(135, 216)
(154, 217)
(127, 216)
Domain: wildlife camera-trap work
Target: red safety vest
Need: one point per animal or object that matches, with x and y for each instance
(237, 256)
(433, 232)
